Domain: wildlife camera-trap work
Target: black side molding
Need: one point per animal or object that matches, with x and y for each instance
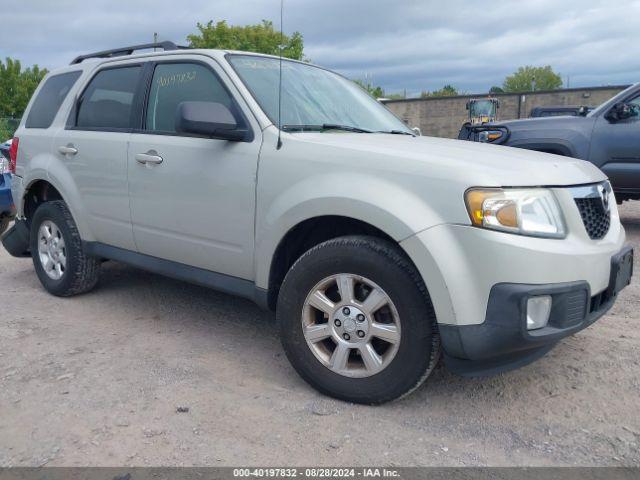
(16, 239)
(199, 276)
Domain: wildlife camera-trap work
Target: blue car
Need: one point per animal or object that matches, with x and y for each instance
(7, 209)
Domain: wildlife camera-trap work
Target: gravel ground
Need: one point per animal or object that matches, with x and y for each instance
(98, 380)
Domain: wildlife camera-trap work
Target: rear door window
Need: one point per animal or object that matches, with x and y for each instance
(174, 83)
(107, 102)
(51, 95)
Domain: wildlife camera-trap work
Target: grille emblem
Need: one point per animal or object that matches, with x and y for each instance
(604, 197)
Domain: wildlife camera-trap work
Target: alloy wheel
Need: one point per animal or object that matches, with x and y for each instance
(351, 325)
(51, 250)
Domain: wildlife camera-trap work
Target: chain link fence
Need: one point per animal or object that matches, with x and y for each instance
(7, 127)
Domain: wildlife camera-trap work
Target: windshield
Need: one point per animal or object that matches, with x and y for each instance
(604, 106)
(312, 96)
(482, 107)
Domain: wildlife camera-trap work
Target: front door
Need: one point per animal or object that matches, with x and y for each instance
(192, 199)
(615, 148)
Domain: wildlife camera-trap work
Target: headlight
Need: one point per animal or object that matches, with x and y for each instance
(526, 211)
(488, 136)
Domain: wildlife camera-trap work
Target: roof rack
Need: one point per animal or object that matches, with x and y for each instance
(118, 52)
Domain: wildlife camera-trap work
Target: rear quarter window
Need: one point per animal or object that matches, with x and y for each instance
(51, 95)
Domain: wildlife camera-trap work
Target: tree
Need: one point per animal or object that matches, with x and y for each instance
(260, 38)
(446, 91)
(496, 89)
(6, 130)
(374, 91)
(17, 86)
(530, 79)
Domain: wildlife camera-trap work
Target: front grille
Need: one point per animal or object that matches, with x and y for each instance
(595, 217)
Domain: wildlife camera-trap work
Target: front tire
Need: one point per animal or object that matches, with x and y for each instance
(60, 262)
(356, 321)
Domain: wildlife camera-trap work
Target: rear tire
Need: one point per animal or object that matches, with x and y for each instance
(60, 262)
(399, 343)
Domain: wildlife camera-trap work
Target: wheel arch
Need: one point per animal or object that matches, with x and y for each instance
(37, 192)
(308, 233)
(55, 187)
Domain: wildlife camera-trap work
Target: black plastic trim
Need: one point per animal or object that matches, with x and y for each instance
(503, 342)
(199, 276)
(16, 239)
(617, 265)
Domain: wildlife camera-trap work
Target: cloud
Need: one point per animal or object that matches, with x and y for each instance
(402, 44)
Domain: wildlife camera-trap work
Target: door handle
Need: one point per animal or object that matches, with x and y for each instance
(68, 150)
(149, 157)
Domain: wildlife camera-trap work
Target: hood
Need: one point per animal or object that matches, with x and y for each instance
(467, 163)
(546, 123)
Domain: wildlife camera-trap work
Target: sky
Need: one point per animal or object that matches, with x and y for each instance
(399, 45)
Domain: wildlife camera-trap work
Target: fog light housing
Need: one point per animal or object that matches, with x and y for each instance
(538, 311)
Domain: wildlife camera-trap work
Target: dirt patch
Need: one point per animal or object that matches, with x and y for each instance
(146, 370)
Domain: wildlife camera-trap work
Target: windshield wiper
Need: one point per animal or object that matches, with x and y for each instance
(396, 132)
(324, 126)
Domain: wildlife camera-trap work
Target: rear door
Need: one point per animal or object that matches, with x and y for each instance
(197, 206)
(94, 148)
(38, 128)
(615, 148)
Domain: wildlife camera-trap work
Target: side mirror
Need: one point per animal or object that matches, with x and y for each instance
(583, 111)
(417, 131)
(620, 111)
(208, 119)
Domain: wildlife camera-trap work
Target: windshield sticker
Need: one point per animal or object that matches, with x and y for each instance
(176, 79)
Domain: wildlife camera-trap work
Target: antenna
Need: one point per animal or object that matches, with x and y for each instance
(279, 144)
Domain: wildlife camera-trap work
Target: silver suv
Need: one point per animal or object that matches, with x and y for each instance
(379, 249)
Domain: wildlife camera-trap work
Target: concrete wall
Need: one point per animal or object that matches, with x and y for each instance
(443, 116)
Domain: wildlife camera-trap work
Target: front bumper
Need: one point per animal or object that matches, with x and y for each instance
(503, 342)
(477, 277)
